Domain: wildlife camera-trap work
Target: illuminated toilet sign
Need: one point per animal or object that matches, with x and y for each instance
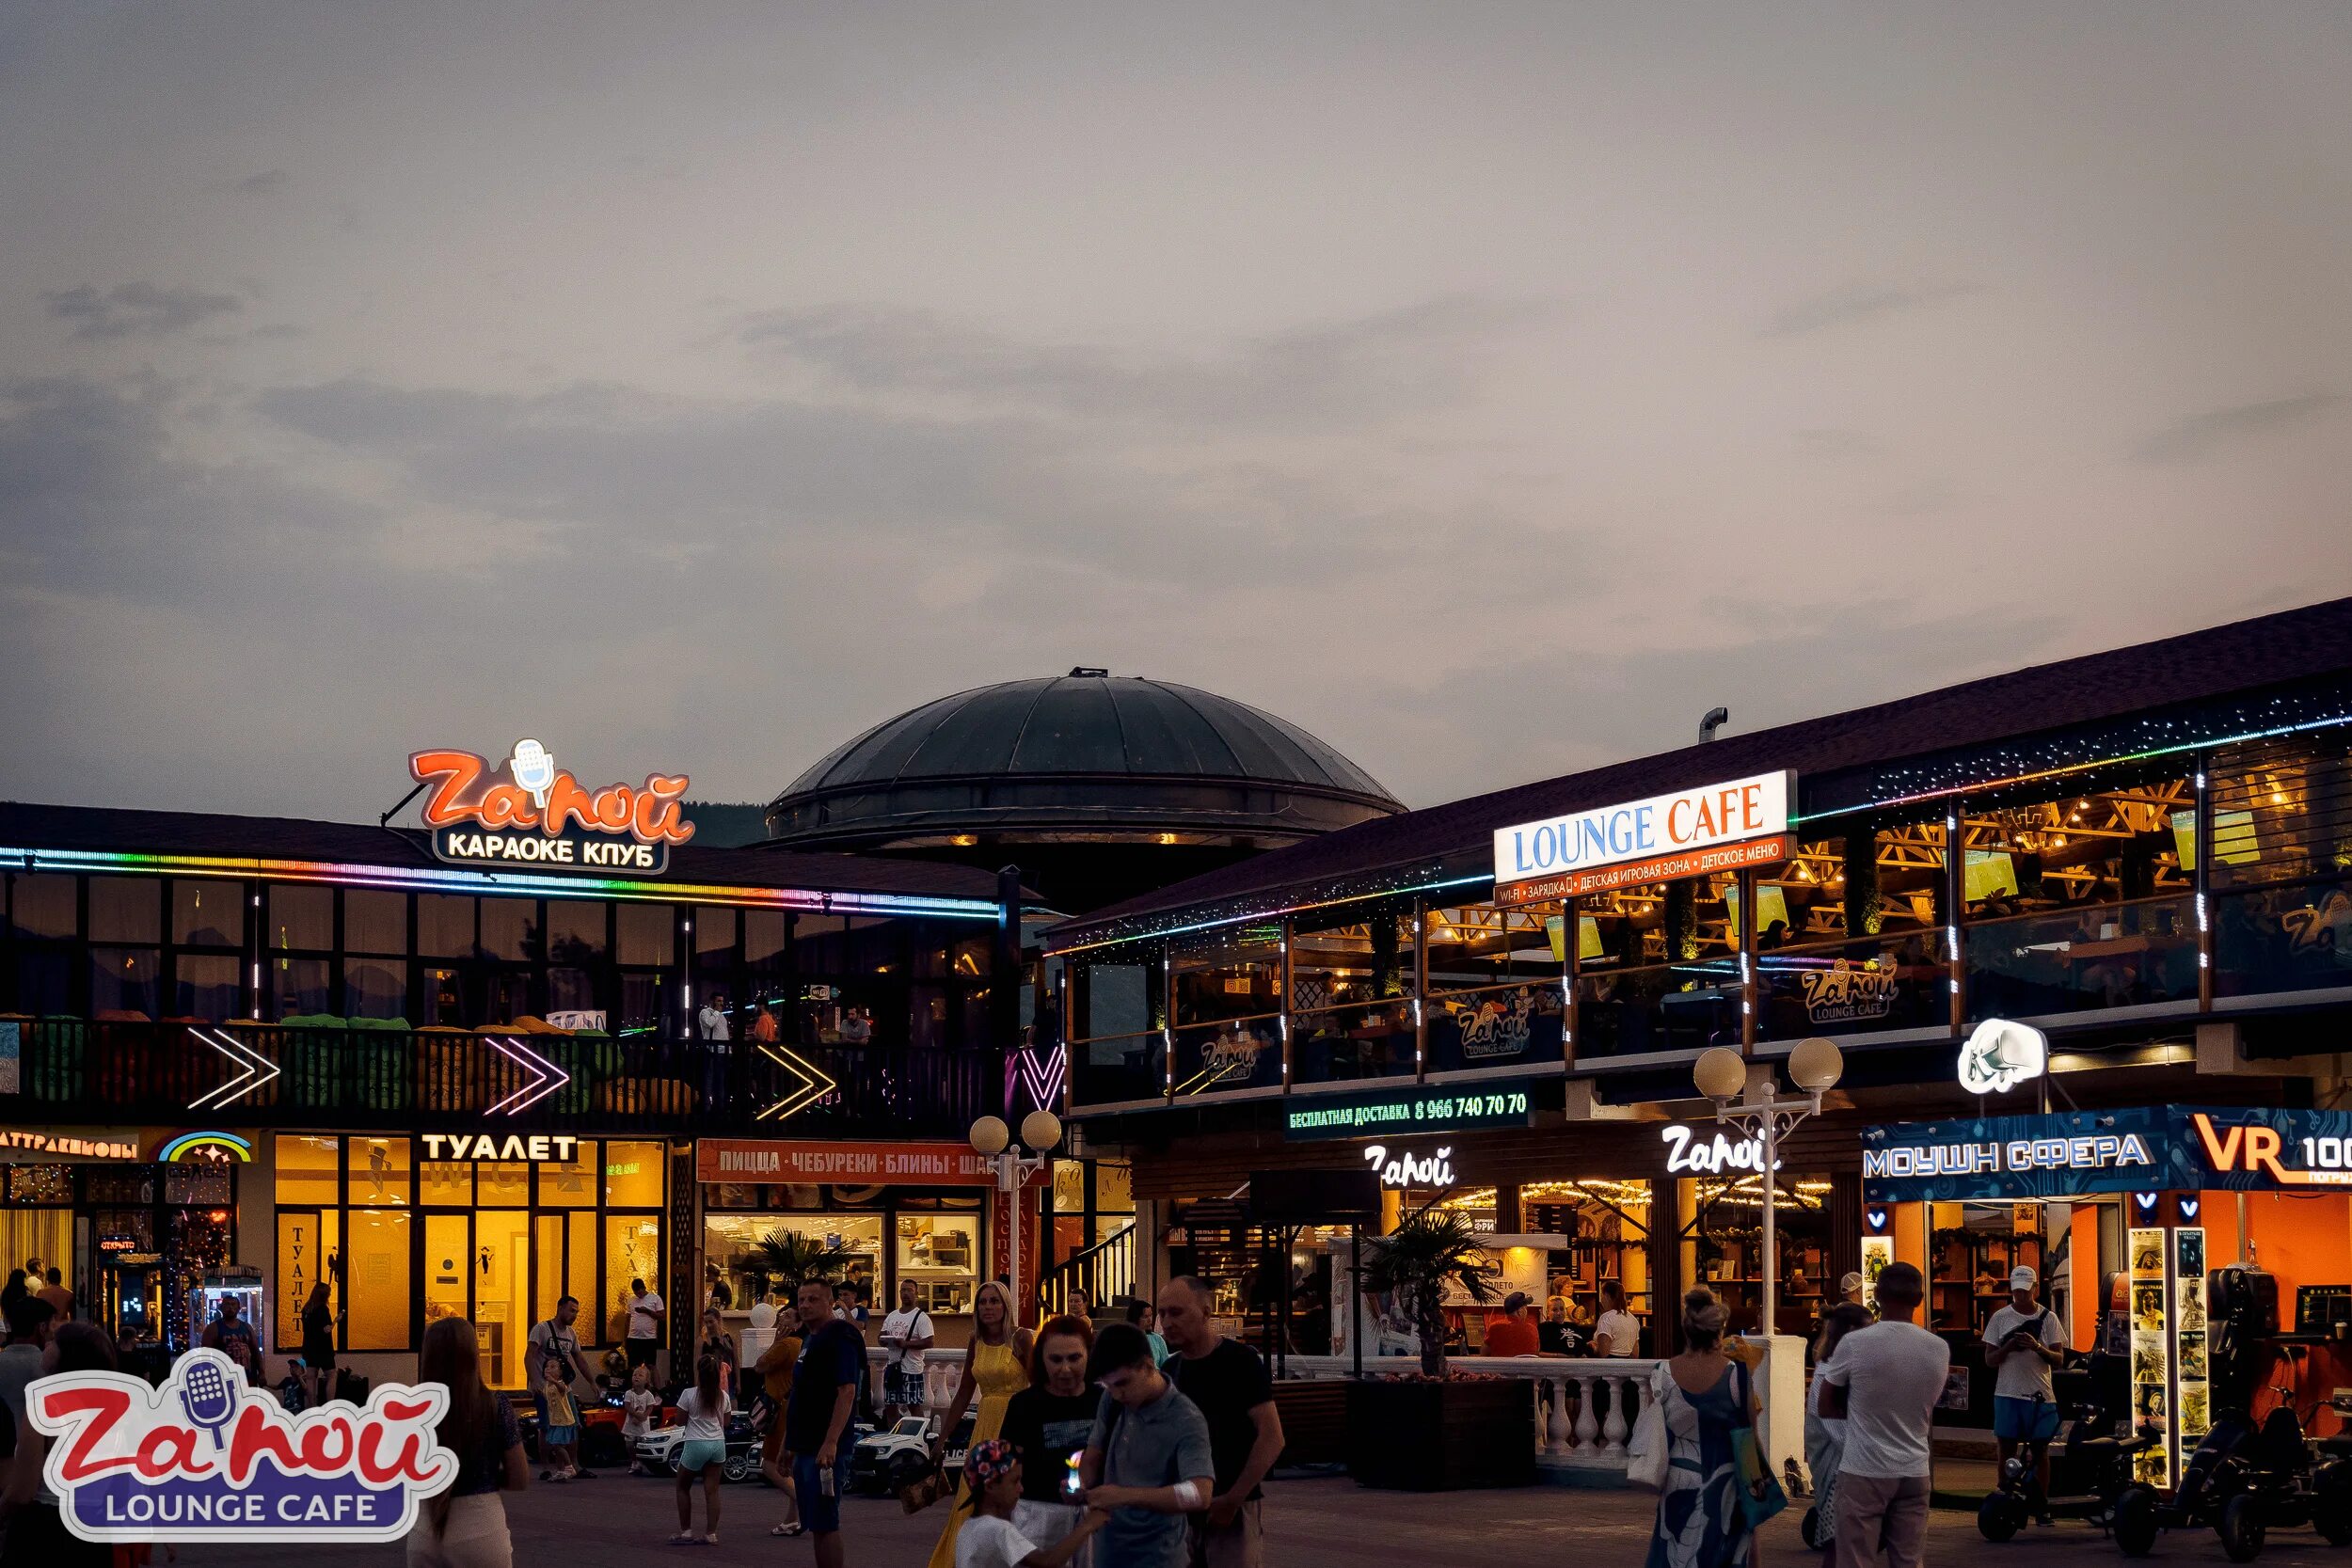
(1687, 1153)
(526, 811)
(541, 1147)
(1410, 1169)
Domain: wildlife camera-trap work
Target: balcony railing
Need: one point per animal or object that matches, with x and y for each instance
(249, 1074)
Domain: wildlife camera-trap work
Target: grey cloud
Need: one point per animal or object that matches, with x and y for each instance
(1860, 302)
(136, 310)
(267, 182)
(2203, 433)
(1835, 444)
(1415, 356)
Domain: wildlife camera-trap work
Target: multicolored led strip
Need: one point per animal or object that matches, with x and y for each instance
(1972, 787)
(450, 880)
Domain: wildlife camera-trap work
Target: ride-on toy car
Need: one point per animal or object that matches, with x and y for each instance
(657, 1450)
(901, 1454)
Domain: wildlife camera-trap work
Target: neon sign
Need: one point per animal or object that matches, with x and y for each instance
(1718, 1154)
(206, 1458)
(1410, 1169)
(561, 1147)
(527, 811)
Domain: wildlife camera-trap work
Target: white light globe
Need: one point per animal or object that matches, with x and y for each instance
(990, 1135)
(1720, 1073)
(1040, 1129)
(1816, 1064)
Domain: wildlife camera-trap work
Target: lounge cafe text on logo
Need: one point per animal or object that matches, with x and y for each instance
(206, 1458)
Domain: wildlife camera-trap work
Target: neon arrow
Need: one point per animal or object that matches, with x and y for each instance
(253, 1070)
(546, 1077)
(814, 1084)
(1043, 1080)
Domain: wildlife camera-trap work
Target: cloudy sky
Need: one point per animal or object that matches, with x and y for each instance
(1488, 389)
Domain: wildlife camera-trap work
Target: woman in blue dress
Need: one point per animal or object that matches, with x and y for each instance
(1704, 1396)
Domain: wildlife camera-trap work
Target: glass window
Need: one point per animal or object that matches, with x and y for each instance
(1114, 1188)
(444, 925)
(732, 1255)
(305, 1239)
(446, 1184)
(206, 986)
(502, 1183)
(40, 906)
(502, 1294)
(447, 1259)
(642, 1002)
(45, 980)
(208, 914)
(763, 939)
(575, 930)
(379, 1169)
(941, 1253)
(374, 921)
(302, 917)
(547, 1287)
(510, 927)
(375, 988)
(632, 1250)
(647, 933)
(632, 1176)
(123, 981)
(580, 1280)
(444, 998)
(569, 1184)
(126, 908)
(375, 1274)
(306, 1172)
(570, 990)
(714, 936)
(298, 986)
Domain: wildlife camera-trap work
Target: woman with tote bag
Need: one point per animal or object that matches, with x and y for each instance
(1696, 1421)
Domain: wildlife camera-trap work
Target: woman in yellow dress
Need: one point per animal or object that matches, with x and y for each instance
(997, 1364)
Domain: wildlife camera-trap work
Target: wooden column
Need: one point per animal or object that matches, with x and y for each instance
(1508, 1220)
(1845, 1231)
(1665, 1265)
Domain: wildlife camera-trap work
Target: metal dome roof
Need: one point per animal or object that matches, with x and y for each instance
(1084, 751)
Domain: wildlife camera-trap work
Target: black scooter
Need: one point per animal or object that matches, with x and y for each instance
(2246, 1478)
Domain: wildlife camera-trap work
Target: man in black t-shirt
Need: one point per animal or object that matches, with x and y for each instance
(1048, 1423)
(825, 1385)
(1228, 1381)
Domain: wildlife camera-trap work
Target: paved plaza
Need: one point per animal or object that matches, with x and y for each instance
(1318, 1522)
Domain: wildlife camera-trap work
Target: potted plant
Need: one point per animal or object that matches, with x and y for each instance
(788, 1257)
(1437, 1431)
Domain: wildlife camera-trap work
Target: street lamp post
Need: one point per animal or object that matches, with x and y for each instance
(1042, 1131)
(1721, 1074)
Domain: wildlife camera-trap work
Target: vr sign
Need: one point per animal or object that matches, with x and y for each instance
(205, 1458)
(1719, 827)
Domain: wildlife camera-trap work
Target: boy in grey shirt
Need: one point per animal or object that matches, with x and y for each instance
(1147, 1458)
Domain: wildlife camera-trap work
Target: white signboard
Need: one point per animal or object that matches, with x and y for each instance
(1665, 835)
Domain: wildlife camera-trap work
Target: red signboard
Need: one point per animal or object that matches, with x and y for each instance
(795, 1163)
(1661, 868)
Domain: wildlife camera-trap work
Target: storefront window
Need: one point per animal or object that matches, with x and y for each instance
(448, 1247)
(306, 1240)
(379, 1170)
(42, 906)
(570, 990)
(941, 1254)
(632, 1250)
(126, 908)
(501, 1295)
(206, 987)
(510, 928)
(645, 933)
(575, 930)
(208, 914)
(375, 988)
(444, 925)
(446, 1184)
(375, 921)
(502, 1183)
(714, 937)
(306, 1172)
(763, 939)
(569, 1184)
(302, 918)
(123, 980)
(1114, 1187)
(298, 986)
(732, 1255)
(376, 1279)
(580, 1279)
(632, 1176)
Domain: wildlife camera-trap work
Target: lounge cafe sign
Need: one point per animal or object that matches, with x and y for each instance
(1690, 832)
(528, 812)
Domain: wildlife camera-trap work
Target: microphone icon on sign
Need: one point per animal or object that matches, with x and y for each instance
(206, 1394)
(533, 771)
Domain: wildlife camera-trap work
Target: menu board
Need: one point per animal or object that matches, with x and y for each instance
(2191, 1396)
(2151, 1351)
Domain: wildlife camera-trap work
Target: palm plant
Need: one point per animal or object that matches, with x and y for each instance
(1428, 1249)
(791, 1257)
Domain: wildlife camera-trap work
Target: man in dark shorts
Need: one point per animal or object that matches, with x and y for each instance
(825, 1385)
(1228, 1381)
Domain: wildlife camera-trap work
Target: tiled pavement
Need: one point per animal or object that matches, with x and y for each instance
(1316, 1523)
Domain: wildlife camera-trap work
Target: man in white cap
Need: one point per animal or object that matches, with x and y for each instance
(2022, 1343)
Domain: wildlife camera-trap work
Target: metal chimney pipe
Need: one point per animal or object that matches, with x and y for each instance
(1716, 718)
